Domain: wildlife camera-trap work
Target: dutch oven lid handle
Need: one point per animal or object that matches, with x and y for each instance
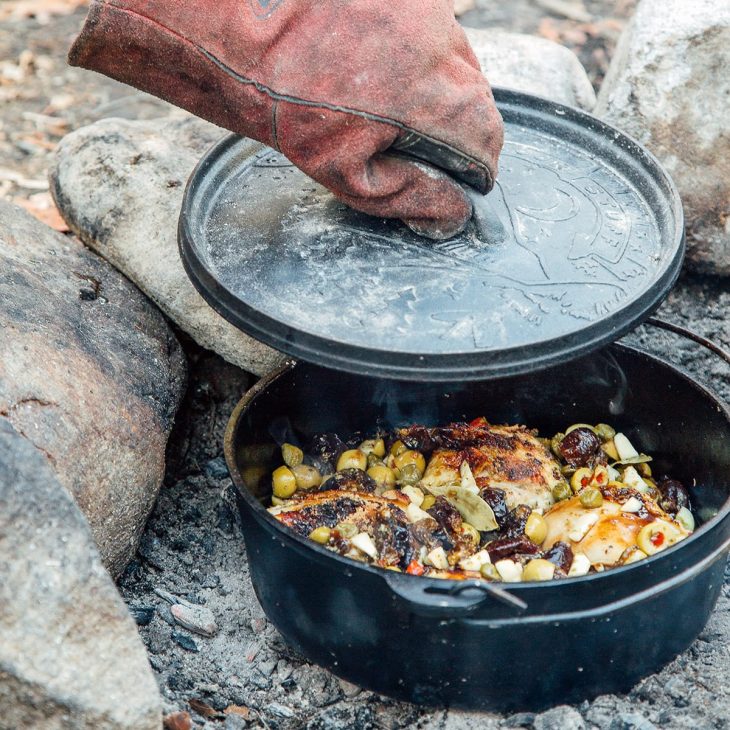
(452, 600)
(690, 335)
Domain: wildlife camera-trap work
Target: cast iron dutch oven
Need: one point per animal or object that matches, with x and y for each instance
(473, 644)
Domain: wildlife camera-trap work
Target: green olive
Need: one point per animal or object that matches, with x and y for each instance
(581, 478)
(657, 536)
(374, 460)
(398, 448)
(283, 482)
(381, 475)
(373, 446)
(555, 442)
(567, 470)
(409, 474)
(292, 455)
(489, 572)
(470, 531)
(411, 457)
(352, 459)
(604, 431)
(538, 569)
(320, 535)
(307, 476)
(562, 491)
(591, 497)
(346, 530)
(579, 425)
(428, 501)
(536, 528)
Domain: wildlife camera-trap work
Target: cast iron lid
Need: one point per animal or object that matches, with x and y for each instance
(581, 238)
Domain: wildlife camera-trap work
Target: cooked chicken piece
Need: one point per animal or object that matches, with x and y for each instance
(397, 540)
(603, 533)
(504, 457)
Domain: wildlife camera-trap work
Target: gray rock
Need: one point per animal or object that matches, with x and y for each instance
(90, 374)
(669, 87)
(70, 655)
(534, 65)
(562, 717)
(119, 185)
(631, 721)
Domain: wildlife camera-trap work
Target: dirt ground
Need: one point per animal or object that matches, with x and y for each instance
(42, 98)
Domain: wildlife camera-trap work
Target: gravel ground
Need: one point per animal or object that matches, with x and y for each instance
(193, 548)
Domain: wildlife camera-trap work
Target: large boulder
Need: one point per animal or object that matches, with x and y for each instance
(70, 654)
(119, 184)
(669, 87)
(90, 374)
(534, 65)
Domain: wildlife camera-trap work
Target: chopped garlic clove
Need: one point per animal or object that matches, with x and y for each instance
(581, 525)
(631, 478)
(614, 474)
(509, 570)
(467, 478)
(414, 494)
(474, 562)
(416, 514)
(635, 556)
(624, 447)
(437, 558)
(581, 565)
(632, 504)
(363, 542)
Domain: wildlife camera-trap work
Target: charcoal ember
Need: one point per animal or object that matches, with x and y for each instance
(447, 516)
(673, 495)
(497, 500)
(349, 480)
(561, 555)
(419, 438)
(514, 523)
(581, 447)
(326, 448)
(509, 547)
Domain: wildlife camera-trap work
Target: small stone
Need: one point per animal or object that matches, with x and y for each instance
(348, 688)
(562, 717)
(281, 711)
(177, 721)
(520, 719)
(631, 721)
(216, 468)
(198, 619)
(142, 614)
(235, 722)
(185, 641)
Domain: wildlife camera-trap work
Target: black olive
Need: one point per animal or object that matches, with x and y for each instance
(349, 480)
(507, 547)
(674, 495)
(580, 447)
(496, 499)
(514, 524)
(561, 554)
(326, 449)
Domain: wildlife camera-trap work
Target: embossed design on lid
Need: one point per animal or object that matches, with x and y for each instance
(580, 239)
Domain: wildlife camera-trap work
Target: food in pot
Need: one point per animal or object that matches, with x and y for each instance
(475, 500)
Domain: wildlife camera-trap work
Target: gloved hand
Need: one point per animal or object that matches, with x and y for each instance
(351, 91)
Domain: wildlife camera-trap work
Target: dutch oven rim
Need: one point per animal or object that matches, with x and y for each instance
(322, 555)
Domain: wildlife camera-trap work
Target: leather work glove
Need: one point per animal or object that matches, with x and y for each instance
(377, 100)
